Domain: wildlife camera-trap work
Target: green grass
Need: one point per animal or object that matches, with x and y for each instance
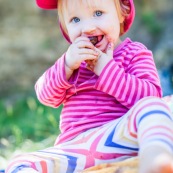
(26, 118)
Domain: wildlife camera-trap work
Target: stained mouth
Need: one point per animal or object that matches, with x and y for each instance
(95, 39)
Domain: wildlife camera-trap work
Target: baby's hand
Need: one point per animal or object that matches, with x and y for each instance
(80, 50)
(98, 64)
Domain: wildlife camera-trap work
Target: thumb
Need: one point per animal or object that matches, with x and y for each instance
(110, 49)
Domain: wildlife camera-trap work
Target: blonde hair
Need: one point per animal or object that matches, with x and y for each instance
(122, 6)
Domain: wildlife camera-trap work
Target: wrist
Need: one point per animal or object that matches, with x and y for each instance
(101, 65)
(67, 64)
(68, 71)
(68, 68)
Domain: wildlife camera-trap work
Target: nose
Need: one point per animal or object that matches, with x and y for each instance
(88, 28)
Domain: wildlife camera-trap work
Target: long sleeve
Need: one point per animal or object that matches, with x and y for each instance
(51, 87)
(130, 76)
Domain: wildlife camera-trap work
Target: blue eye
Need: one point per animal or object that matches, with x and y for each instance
(98, 13)
(75, 20)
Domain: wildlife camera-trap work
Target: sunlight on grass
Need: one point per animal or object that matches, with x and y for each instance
(28, 119)
(26, 125)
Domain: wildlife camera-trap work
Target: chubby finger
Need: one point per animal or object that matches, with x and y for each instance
(85, 57)
(88, 51)
(91, 62)
(110, 49)
(81, 38)
(85, 44)
(99, 52)
(88, 62)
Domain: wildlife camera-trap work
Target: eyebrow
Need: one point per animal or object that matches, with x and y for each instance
(71, 12)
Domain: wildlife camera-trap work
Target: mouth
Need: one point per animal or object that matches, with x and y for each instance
(95, 39)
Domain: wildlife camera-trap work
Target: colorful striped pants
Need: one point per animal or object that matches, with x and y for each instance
(149, 122)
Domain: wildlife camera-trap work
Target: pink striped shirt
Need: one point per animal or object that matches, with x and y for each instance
(90, 100)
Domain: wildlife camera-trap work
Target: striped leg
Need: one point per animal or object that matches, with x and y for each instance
(151, 122)
(90, 148)
(148, 123)
(51, 160)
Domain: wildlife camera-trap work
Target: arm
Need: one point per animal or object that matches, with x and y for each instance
(129, 84)
(52, 85)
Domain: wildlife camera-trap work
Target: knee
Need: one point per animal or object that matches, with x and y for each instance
(147, 111)
(149, 107)
(149, 99)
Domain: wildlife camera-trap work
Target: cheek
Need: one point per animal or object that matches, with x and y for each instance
(114, 32)
(73, 34)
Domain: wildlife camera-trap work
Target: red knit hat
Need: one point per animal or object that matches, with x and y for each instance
(52, 4)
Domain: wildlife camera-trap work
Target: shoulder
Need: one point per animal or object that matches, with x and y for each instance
(134, 45)
(131, 48)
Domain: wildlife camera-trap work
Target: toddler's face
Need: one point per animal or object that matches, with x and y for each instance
(95, 19)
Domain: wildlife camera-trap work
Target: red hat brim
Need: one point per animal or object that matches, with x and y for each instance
(47, 4)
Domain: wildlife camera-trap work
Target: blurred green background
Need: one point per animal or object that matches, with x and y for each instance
(30, 42)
